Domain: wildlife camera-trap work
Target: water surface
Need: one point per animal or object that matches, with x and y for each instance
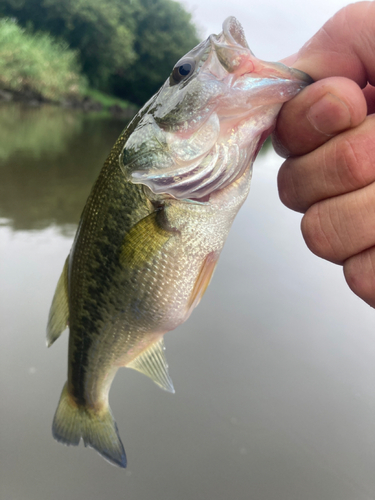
(274, 372)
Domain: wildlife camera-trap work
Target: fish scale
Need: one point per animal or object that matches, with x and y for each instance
(154, 225)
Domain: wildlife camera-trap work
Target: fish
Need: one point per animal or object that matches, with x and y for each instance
(155, 222)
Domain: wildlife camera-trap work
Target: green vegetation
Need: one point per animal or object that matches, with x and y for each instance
(163, 34)
(125, 47)
(101, 30)
(106, 100)
(38, 63)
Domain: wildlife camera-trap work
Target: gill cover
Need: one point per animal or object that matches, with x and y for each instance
(204, 127)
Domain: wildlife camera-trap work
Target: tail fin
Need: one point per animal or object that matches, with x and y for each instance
(97, 429)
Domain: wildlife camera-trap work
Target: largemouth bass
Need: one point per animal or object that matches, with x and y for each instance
(155, 223)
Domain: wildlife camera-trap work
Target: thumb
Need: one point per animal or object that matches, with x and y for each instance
(344, 46)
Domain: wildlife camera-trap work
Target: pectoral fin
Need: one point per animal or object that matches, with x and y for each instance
(59, 312)
(144, 241)
(152, 362)
(203, 280)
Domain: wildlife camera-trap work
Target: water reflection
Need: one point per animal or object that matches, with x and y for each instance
(274, 372)
(36, 131)
(49, 159)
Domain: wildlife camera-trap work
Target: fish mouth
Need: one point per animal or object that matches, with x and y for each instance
(236, 58)
(231, 48)
(226, 142)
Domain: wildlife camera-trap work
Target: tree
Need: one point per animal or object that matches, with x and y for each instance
(102, 30)
(126, 47)
(164, 33)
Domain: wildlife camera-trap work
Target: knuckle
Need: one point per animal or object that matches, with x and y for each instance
(359, 272)
(351, 273)
(354, 162)
(278, 145)
(287, 190)
(311, 228)
(320, 234)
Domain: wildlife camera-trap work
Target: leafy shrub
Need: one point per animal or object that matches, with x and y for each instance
(126, 47)
(101, 30)
(38, 63)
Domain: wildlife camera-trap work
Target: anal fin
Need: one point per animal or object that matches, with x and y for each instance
(59, 312)
(152, 362)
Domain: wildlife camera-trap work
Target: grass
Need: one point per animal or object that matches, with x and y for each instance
(38, 63)
(106, 100)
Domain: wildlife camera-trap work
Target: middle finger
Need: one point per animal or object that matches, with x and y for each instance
(340, 227)
(343, 164)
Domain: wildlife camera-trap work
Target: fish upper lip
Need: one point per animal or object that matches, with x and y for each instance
(279, 71)
(232, 39)
(254, 67)
(302, 76)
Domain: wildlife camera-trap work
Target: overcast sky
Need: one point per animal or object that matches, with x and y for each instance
(274, 29)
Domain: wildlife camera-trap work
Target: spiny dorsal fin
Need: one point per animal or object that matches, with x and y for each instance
(59, 312)
(152, 362)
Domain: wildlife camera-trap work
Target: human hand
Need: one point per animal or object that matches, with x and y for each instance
(327, 134)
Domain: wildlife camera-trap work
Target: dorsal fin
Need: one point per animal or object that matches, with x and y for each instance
(59, 313)
(152, 362)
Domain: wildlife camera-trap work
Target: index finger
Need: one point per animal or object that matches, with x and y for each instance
(321, 111)
(344, 47)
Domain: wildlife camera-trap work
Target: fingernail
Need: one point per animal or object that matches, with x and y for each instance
(329, 115)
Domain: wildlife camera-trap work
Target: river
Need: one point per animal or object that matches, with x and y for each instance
(274, 372)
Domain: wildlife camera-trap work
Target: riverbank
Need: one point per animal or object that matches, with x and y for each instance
(36, 68)
(94, 101)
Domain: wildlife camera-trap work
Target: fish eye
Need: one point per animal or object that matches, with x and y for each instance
(182, 70)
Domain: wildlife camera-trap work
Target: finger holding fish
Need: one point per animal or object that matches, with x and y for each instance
(329, 173)
(342, 165)
(323, 110)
